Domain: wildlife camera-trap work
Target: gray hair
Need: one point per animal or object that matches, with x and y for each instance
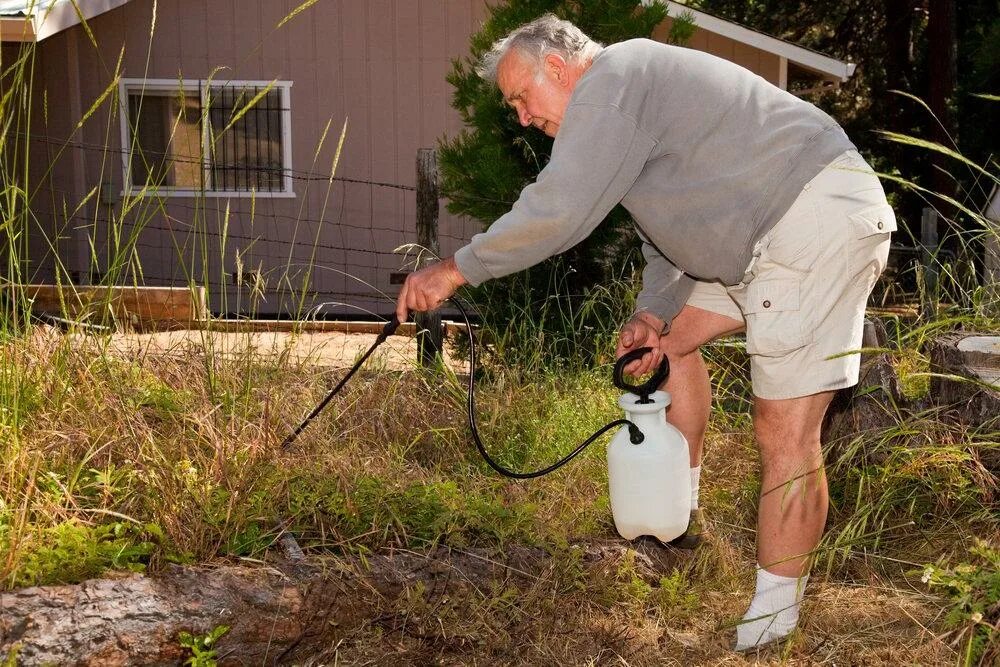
(546, 34)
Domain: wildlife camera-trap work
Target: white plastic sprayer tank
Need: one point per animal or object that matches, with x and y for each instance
(650, 482)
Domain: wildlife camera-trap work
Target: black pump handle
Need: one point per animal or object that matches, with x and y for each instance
(643, 390)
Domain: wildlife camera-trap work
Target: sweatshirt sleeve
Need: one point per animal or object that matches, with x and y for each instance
(665, 288)
(598, 154)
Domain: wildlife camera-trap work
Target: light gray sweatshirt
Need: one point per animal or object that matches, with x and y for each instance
(704, 154)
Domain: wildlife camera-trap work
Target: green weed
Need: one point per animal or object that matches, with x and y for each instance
(568, 572)
(375, 511)
(973, 592)
(72, 551)
(624, 586)
(10, 660)
(202, 648)
(673, 599)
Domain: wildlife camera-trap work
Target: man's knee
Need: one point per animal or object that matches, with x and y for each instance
(788, 430)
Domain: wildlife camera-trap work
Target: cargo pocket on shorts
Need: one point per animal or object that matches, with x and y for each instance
(878, 219)
(774, 319)
(871, 227)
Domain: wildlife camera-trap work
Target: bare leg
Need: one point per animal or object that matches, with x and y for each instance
(691, 400)
(794, 499)
(790, 516)
(688, 384)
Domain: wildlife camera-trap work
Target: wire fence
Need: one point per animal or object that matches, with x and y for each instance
(294, 174)
(337, 244)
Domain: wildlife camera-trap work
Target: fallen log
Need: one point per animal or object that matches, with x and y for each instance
(277, 615)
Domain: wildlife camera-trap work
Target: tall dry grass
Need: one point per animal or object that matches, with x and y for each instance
(115, 460)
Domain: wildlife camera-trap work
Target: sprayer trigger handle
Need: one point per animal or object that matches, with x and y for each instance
(643, 390)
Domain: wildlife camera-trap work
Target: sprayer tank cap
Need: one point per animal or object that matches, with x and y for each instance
(658, 400)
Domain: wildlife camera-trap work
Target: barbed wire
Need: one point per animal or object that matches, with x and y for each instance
(221, 238)
(175, 235)
(257, 214)
(295, 174)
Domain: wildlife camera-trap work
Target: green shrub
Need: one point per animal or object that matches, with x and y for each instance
(973, 590)
(486, 166)
(72, 551)
(202, 648)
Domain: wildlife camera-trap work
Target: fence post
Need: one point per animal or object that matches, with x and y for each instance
(429, 332)
(929, 259)
(991, 251)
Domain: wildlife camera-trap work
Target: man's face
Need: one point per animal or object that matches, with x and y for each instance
(538, 92)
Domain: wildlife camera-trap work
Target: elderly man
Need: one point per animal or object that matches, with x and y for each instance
(755, 213)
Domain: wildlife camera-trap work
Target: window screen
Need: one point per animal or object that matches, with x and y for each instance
(242, 150)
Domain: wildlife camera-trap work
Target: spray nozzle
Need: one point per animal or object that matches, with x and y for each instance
(643, 390)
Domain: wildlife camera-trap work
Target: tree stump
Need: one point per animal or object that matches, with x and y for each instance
(968, 368)
(966, 380)
(872, 404)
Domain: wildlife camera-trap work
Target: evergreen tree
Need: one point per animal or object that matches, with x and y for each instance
(485, 167)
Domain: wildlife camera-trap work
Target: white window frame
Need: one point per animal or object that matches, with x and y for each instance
(202, 86)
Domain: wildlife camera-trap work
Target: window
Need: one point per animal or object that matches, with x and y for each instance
(188, 138)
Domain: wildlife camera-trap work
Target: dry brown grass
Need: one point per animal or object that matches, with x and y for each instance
(185, 447)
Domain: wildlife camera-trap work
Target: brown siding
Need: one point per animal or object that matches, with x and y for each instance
(379, 65)
(756, 60)
(18, 124)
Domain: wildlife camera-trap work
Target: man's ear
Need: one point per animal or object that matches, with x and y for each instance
(557, 67)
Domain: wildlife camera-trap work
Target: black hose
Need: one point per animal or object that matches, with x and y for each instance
(635, 435)
(634, 432)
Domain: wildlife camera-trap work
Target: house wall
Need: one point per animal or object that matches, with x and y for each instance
(32, 165)
(379, 65)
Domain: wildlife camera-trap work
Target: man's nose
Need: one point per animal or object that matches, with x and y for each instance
(524, 117)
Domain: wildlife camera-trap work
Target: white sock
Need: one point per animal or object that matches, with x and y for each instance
(695, 479)
(774, 610)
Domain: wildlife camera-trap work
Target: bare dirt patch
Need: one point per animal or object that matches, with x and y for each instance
(326, 349)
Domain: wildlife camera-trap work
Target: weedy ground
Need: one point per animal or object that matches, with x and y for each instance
(127, 461)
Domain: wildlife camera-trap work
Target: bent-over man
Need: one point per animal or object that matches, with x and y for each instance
(756, 213)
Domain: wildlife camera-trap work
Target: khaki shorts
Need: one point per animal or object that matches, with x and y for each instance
(803, 296)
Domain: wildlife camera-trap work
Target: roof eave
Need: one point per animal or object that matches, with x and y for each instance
(64, 15)
(810, 59)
